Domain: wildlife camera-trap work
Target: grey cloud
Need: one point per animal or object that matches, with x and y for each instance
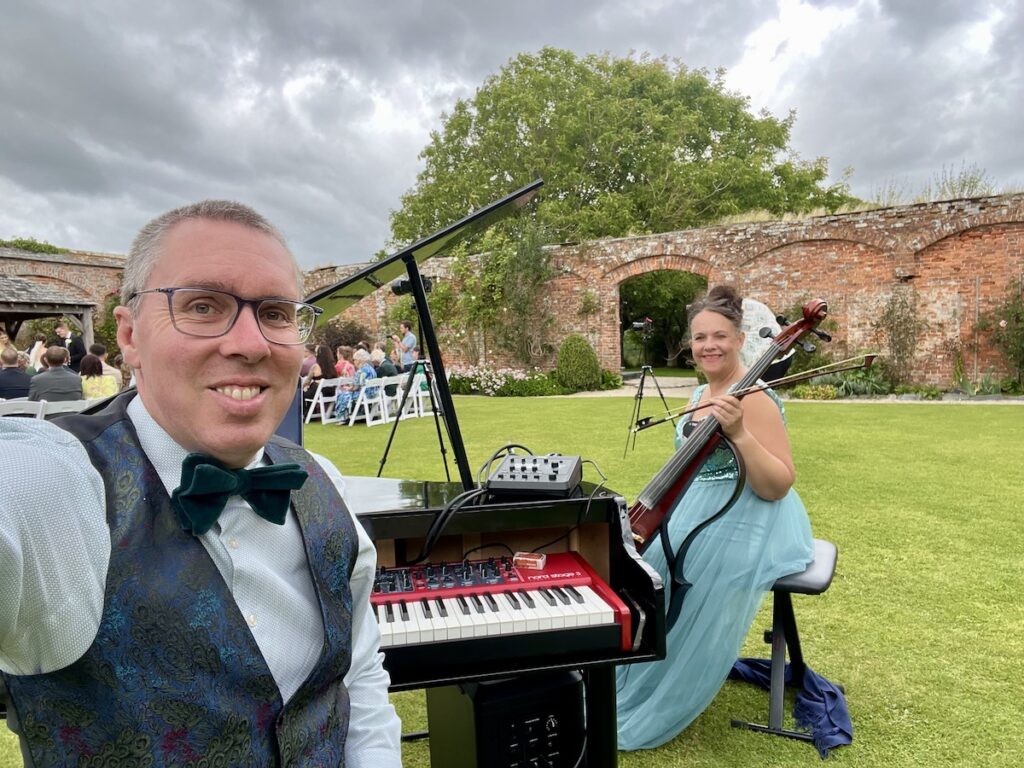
(119, 110)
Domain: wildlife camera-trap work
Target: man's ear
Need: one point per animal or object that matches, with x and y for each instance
(126, 335)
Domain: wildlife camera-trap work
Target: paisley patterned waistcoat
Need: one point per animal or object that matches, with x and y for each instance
(174, 676)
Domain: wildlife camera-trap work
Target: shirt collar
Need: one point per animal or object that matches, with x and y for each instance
(164, 454)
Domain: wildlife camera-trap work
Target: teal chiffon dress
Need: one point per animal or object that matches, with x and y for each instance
(731, 563)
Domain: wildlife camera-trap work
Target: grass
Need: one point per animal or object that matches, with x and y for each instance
(923, 625)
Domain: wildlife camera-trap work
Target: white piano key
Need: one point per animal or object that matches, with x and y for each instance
(385, 628)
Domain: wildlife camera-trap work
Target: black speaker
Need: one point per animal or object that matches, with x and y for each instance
(525, 722)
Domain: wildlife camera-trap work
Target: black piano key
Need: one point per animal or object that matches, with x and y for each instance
(389, 612)
(574, 594)
(547, 596)
(512, 600)
(442, 611)
(562, 597)
(476, 603)
(403, 610)
(463, 605)
(490, 602)
(426, 608)
(525, 597)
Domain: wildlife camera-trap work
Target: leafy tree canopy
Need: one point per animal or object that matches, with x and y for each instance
(625, 146)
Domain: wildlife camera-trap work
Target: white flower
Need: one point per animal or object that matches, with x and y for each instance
(1002, 323)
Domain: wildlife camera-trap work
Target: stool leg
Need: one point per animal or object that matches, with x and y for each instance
(783, 630)
(777, 690)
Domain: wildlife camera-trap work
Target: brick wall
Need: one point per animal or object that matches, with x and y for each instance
(956, 257)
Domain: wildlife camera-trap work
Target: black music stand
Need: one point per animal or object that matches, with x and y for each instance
(420, 366)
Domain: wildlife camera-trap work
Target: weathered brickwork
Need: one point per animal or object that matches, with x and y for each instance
(956, 257)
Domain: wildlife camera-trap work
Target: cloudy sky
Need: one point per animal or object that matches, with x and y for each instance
(314, 112)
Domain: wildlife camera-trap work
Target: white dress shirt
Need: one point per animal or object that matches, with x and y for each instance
(50, 622)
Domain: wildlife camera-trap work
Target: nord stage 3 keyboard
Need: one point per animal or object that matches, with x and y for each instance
(478, 610)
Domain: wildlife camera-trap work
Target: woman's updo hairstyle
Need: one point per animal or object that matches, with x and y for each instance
(722, 299)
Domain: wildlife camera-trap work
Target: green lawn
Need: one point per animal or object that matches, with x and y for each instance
(923, 625)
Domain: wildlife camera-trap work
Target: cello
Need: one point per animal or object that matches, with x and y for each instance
(650, 513)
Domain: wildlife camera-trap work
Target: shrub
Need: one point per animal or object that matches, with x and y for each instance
(610, 380)
(814, 392)
(577, 368)
(503, 382)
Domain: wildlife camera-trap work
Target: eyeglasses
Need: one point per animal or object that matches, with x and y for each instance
(208, 313)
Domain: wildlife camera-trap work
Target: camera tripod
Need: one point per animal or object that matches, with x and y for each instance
(420, 366)
(645, 372)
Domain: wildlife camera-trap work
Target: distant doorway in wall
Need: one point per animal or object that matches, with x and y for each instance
(652, 313)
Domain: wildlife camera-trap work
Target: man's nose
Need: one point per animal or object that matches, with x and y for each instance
(245, 336)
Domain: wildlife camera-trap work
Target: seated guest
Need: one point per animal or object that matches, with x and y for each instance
(95, 383)
(344, 365)
(57, 383)
(364, 372)
(308, 361)
(108, 370)
(14, 382)
(323, 368)
(384, 368)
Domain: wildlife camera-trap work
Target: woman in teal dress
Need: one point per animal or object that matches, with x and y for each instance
(732, 562)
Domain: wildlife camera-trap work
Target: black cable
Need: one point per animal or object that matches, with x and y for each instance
(488, 546)
(486, 466)
(443, 517)
(584, 511)
(417, 735)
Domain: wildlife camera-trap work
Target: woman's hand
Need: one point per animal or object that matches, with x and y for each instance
(729, 413)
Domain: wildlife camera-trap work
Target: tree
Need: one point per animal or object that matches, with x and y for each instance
(626, 146)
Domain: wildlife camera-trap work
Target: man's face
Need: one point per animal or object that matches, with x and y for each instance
(62, 331)
(222, 396)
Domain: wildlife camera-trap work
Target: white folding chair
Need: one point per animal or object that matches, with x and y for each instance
(394, 400)
(421, 392)
(22, 407)
(68, 406)
(322, 405)
(369, 404)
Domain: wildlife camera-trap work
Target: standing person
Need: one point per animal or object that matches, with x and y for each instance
(56, 382)
(73, 343)
(14, 382)
(36, 352)
(736, 559)
(235, 623)
(406, 343)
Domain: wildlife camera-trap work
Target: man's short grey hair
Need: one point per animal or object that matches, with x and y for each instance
(146, 248)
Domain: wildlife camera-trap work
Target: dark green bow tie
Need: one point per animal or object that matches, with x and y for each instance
(206, 486)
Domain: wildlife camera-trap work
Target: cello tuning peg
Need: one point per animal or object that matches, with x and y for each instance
(766, 332)
(822, 335)
(781, 320)
(807, 347)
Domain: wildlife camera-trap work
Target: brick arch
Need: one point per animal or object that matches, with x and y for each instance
(673, 262)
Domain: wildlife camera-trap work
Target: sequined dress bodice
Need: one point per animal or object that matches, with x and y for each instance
(720, 465)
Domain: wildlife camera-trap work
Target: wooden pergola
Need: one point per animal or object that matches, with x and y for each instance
(28, 298)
